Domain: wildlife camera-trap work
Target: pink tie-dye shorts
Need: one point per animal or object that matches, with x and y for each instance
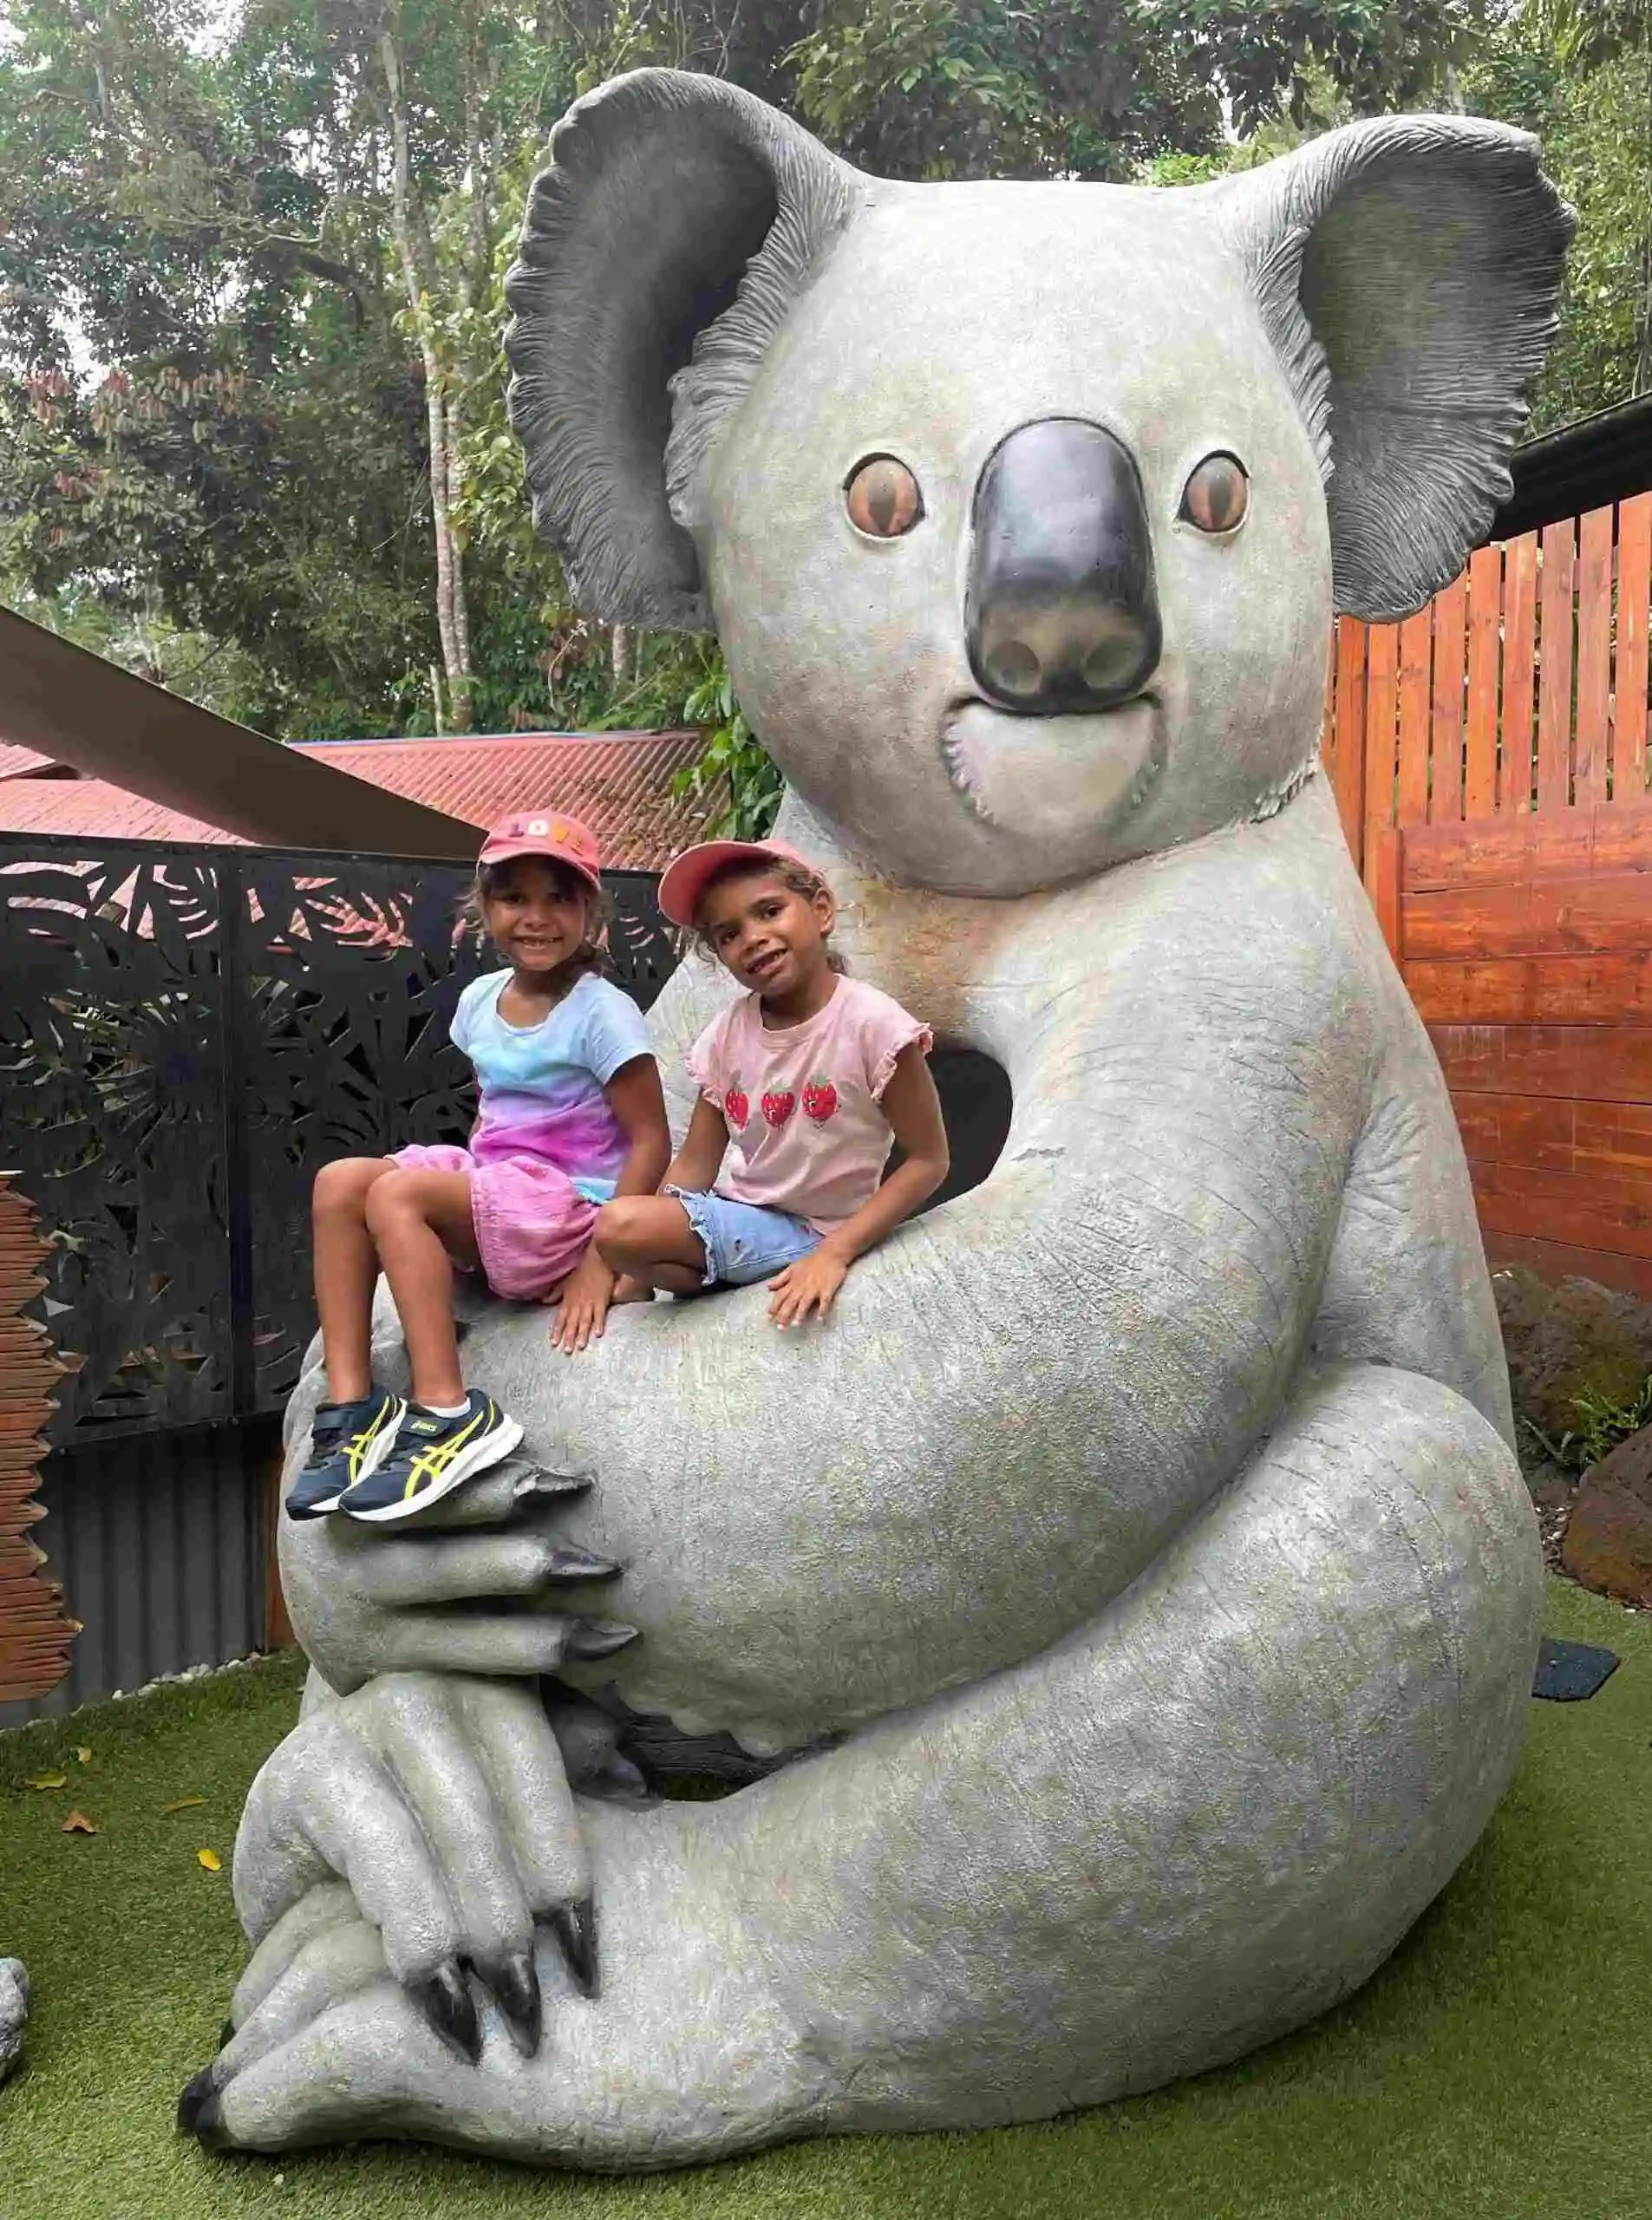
(532, 1226)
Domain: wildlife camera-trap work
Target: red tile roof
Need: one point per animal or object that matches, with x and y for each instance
(618, 783)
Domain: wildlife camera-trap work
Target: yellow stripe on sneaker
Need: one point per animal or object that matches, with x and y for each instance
(357, 1447)
(430, 1464)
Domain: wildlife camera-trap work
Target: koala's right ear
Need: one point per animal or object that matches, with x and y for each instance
(675, 223)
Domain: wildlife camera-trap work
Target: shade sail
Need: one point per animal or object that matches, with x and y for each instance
(77, 708)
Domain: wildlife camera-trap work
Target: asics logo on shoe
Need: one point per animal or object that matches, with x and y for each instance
(429, 1466)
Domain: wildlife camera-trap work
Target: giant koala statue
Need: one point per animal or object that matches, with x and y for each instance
(1127, 1605)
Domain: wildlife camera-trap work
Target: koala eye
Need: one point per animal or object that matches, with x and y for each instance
(1216, 494)
(882, 498)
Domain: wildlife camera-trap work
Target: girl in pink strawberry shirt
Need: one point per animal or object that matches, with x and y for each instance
(804, 1083)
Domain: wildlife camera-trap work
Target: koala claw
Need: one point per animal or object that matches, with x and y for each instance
(568, 1562)
(199, 2099)
(591, 1639)
(515, 1985)
(574, 1926)
(446, 2003)
(495, 1496)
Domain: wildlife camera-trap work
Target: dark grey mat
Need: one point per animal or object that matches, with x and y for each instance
(1570, 1671)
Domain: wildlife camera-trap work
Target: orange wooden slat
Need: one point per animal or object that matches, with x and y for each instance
(1558, 1133)
(1534, 990)
(1496, 851)
(1446, 710)
(1557, 610)
(1564, 1206)
(1384, 860)
(1539, 1131)
(1560, 1260)
(1594, 656)
(1416, 643)
(1634, 615)
(1605, 912)
(1519, 650)
(1382, 712)
(1348, 772)
(1485, 620)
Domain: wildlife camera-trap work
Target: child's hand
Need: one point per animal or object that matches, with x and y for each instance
(582, 1303)
(810, 1284)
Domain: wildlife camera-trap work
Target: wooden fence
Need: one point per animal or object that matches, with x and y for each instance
(1490, 760)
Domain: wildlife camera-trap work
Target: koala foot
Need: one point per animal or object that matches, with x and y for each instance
(434, 1815)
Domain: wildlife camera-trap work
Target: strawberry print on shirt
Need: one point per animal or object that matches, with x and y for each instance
(819, 1099)
(818, 1140)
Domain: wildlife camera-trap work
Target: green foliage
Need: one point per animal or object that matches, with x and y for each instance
(1581, 78)
(1602, 1424)
(214, 380)
(733, 752)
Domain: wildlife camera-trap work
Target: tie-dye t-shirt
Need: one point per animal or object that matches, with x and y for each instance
(541, 1086)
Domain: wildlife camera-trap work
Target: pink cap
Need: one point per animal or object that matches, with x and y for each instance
(686, 875)
(546, 833)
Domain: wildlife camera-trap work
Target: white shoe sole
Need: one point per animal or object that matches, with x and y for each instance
(377, 1450)
(490, 1449)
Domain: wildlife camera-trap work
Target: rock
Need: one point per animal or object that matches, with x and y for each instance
(1564, 1338)
(1609, 1540)
(1550, 1485)
(13, 2011)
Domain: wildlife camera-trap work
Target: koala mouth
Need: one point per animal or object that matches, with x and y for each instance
(1050, 777)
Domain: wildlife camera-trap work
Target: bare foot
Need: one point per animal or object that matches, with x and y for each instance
(626, 1289)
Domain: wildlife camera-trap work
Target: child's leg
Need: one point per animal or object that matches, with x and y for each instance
(419, 1223)
(650, 1240)
(346, 1266)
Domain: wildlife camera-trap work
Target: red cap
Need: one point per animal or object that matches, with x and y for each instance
(545, 833)
(686, 875)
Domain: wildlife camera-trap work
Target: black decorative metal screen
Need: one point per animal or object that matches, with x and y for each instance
(187, 1034)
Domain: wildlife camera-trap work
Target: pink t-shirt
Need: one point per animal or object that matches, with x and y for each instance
(801, 1103)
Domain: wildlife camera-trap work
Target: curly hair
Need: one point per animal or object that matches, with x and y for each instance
(592, 955)
(797, 877)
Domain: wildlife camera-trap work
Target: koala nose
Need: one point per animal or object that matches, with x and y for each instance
(1061, 614)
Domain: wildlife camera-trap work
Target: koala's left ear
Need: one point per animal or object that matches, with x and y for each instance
(1408, 269)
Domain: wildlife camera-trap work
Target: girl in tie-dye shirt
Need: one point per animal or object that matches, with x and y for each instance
(570, 1114)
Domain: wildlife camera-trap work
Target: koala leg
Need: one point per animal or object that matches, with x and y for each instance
(1188, 1828)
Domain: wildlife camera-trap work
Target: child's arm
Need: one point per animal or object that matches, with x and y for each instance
(699, 1160)
(913, 1109)
(634, 1095)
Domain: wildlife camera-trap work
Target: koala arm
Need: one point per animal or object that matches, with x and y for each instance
(1018, 1399)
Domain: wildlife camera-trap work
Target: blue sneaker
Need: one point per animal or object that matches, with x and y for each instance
(433, 1456)
(348, 1441)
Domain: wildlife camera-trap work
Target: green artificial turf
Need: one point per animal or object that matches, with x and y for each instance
(1499, 2066)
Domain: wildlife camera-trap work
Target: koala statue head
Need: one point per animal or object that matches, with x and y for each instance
(1021, 510)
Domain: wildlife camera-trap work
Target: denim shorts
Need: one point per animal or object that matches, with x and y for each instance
(743, 1241)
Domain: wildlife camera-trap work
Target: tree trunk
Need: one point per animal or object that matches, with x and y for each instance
(417, 259)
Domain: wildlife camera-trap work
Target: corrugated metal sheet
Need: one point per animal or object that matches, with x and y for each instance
(20, 762)
(161, 1544)
(618, 783)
